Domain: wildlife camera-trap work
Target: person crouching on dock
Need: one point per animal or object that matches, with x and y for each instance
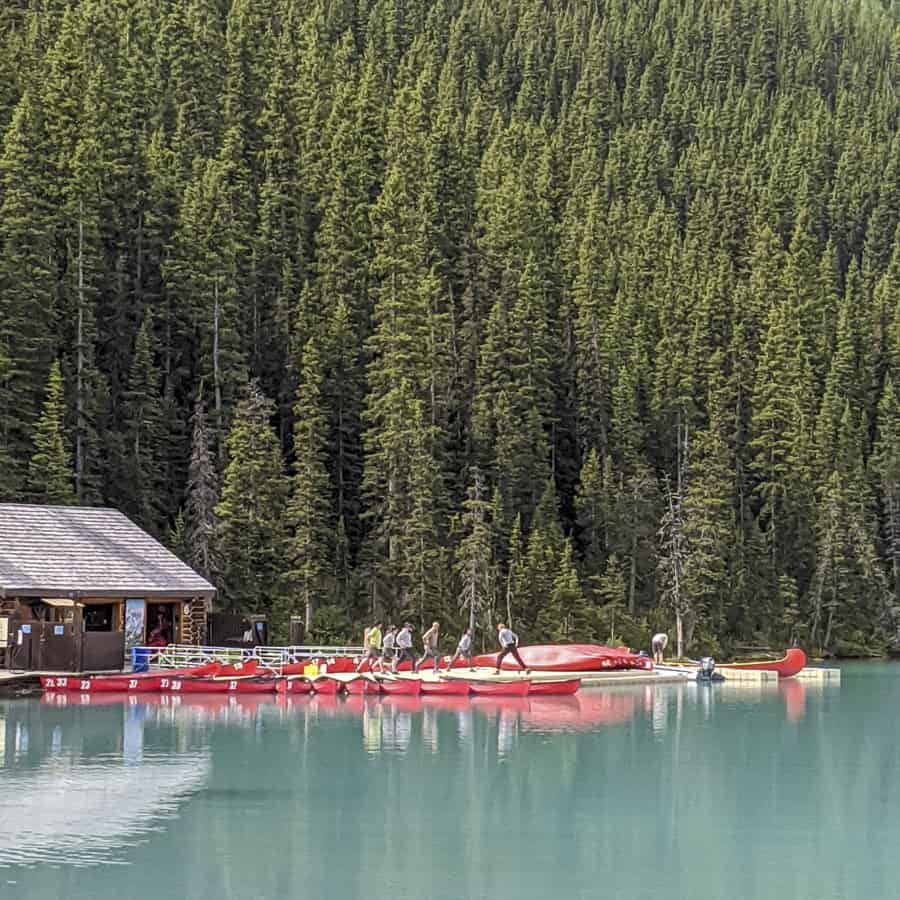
(463, 649)
(430, 641)
(509, 643)
(404, 647)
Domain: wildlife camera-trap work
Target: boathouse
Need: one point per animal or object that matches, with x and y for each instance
(80, 586)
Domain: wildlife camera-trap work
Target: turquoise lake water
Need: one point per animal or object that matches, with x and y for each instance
(682, 791)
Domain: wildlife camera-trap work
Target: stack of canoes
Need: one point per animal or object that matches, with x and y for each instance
(249, 678)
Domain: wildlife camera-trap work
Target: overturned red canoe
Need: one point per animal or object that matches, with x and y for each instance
(240, 670)
(569, 658)
(554, 688)
(789, 664)
(457, 688)
(405, 688)
(499, 688)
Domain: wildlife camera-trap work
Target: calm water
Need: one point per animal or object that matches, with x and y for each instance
(681, 791)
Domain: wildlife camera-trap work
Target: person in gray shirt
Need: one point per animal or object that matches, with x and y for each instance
(509, 643)
(404, 647)
(463, 649)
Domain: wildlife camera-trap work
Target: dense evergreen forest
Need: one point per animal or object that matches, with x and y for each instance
(580, 313)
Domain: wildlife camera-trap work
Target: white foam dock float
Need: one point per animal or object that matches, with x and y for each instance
(820, 673)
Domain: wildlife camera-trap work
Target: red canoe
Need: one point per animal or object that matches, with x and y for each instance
(293, 685)
(325, 685)
(445, 688)
(128, 682)
(362, 686)
(405, 688)
(500, 688)
(569, 658)
(554, 688)
(789, 664)
(218, 685)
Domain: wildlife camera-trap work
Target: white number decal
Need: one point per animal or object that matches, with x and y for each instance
(62, 682)
(164, 683)
(176, 685)
(132, 683)
(85, 685)
(232, 685)
(50, 683)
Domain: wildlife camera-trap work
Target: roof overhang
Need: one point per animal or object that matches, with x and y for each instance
(10, 590)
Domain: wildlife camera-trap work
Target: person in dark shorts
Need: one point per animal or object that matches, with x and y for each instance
(404, 647)
(388, 648)
(372, 650)
(509, 646)
(463, 649)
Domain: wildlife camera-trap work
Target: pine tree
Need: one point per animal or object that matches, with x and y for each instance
(250, 514)
(308, 519)
(50, 468)
(473, 552)
(201, 495)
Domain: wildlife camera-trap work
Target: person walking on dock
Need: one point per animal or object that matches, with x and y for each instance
(388, 648)
(372, 649)
(509, 643)
(430, 641)
(404, 647)
(658, 646)
(463, 649)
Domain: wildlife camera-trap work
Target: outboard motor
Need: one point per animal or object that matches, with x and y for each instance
(707, 670)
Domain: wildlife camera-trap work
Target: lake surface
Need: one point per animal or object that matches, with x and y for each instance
(682, 791)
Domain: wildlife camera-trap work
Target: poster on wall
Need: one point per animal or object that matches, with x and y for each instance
(135, 619)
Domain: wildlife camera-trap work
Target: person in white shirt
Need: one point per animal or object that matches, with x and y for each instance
(658, 646)
(509, 643)
(404, 647)
(463, 649)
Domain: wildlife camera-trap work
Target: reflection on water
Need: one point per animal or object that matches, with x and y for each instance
(644, 789)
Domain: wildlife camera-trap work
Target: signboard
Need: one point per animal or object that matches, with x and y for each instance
(135, 622)
(4, 629)
(59, 629)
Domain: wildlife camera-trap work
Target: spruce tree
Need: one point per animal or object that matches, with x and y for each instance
(250, 533)
(307, 519)
(50, 468)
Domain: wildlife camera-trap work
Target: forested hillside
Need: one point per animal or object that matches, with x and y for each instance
(585, 312)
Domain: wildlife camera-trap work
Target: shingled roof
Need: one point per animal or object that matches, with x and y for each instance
(67, 551)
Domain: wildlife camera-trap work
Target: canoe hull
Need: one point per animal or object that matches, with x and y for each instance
(789, 665)
(219, 685)
(405, 688)
(445, 689)
(499, 688)
(554, 688)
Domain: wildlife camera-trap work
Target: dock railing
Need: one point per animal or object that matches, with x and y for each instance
(186, 656)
